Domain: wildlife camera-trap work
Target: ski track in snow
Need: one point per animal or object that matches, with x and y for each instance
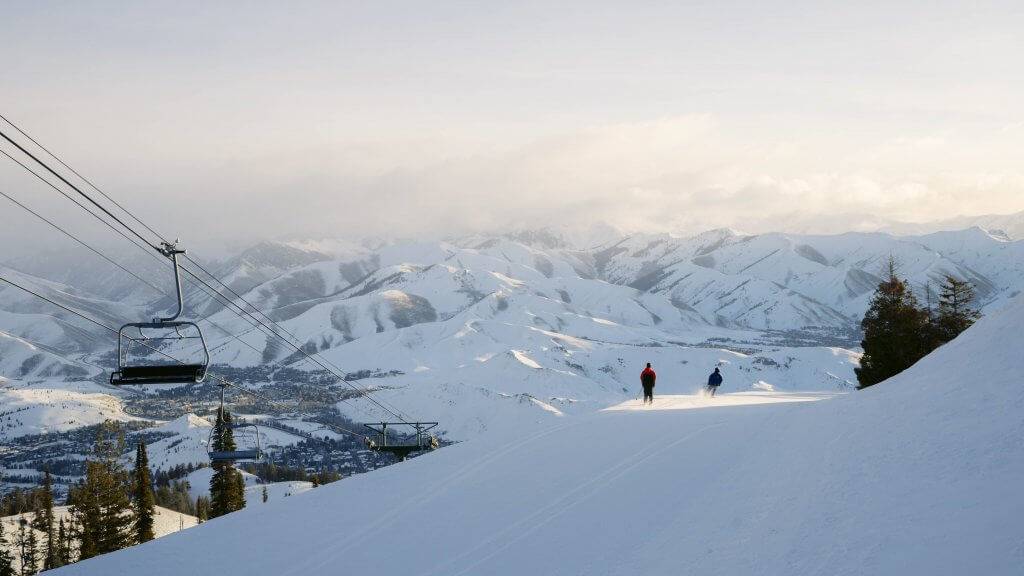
(435, 490)
(553, 510)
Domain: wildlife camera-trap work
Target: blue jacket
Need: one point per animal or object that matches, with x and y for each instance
(715, 379)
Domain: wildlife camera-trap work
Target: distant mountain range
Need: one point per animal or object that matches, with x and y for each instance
(1009, 226)
(490, 331)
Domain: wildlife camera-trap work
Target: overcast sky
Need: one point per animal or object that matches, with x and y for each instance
(221, 121)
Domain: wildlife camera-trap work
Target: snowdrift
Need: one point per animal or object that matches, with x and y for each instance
(919, 475)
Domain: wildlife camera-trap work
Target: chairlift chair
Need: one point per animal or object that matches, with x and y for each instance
(419, 441)
(252, 453)
(143, 371)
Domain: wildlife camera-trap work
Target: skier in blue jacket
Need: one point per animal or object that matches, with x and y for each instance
(714, 381)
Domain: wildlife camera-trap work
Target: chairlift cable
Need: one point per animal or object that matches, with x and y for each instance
(241, 312)
(83, 243)
(83, 178)
(336, 371)
(77, 189)
(210, 295)
(159, 249)
(220, 379)
(212, 292)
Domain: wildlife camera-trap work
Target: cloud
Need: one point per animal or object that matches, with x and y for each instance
(683, 174)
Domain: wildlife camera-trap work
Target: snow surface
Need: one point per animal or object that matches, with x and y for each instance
(39, 408)
(919, 475)
(192, 435)
(199, 485)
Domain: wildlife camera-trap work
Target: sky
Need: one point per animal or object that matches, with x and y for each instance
(222, 123)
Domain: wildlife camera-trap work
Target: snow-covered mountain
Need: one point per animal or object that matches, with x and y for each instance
(45, 407)
(781, 281)
(1010, 226)
(920, 474)
(504, 331)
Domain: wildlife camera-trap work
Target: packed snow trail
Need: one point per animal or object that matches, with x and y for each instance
(696, 401)
(917, 475)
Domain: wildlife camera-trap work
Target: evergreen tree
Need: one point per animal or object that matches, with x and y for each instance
(34, 525)
(101, 504)
(956, 312)
(240, 491)
(266, 495)
(142, 496)
(895, 332)
(6, 559)
(62, 545)
(202, 509)
(227, 487)
(28, 548)
(44, 521)
(67, 547)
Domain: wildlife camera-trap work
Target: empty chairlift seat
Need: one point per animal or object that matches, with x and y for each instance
(171, 352)
(177, 357)
(247, 437)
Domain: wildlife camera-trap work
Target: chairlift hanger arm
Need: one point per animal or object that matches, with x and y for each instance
(171, 251)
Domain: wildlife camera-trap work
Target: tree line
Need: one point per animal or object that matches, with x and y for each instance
(899, 331)
(111, 507)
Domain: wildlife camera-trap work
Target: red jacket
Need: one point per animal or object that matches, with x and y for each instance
(647, 377)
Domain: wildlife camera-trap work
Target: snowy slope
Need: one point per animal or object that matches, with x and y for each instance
(199, 485)
(187, 445)
(918, 475)
(26, 360)
(39, 408)
(191, 435)
(480, 375)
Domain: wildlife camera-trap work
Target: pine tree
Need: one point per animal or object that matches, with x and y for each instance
(67, 547)
(36, 524)
(227, 487)
(44, 521)
(956, 311)
(101, 504)
(6, 559)
(202, 509)
(28, 548)
(895, 332)
(61, 547)
(142, 496)
(238, 491)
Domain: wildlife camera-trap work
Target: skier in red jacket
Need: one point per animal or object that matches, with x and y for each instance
(647, 378)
